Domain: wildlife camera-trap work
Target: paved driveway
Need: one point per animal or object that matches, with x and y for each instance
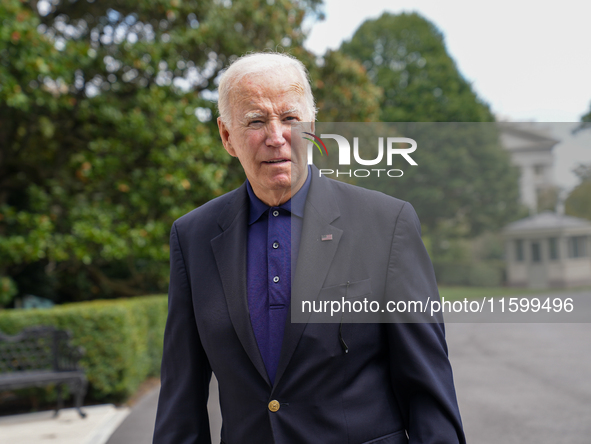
(138, 427)
(523, 383)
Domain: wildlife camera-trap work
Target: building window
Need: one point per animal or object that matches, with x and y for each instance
(536, 254)
(577, 246)
(519, 250)
(553, 244)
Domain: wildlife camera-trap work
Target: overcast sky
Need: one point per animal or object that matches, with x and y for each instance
(530, 61)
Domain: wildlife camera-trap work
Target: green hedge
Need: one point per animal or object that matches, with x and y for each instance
(122, 339)
(471, 274)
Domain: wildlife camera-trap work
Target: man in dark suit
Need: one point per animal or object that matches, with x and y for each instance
(231, 292)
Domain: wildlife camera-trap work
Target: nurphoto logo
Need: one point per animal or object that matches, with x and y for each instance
(393, 147)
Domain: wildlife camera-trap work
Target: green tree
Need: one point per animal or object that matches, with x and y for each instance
(343, 91)
(585, 121)
(405, 55)
(578, 202)
(108, 133)
(464, 184)
(547, 198)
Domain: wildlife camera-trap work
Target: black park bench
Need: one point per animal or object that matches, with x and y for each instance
(41, 356)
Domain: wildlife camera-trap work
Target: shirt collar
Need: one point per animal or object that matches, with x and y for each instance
(295, 205)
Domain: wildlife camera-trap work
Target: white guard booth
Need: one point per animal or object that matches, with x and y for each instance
(548, 250)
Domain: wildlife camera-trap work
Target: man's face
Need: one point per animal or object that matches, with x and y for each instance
(263, 110)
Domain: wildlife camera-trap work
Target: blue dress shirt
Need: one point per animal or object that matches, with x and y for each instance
(273, 244)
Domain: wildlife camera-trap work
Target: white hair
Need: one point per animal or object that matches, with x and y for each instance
(261, 63)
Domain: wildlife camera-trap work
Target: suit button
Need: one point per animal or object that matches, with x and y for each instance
(274, 406)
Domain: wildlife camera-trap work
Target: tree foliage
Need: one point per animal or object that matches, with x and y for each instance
(585, 121)
(405, 55)
(108, 134)
(464, 184)
(343, 91)
(578, 202)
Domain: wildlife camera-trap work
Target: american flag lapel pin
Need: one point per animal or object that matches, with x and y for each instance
(326, 237)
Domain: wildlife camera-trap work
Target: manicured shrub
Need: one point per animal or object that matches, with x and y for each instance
(471, 274)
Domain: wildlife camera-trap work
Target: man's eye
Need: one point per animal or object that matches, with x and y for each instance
(291, 118)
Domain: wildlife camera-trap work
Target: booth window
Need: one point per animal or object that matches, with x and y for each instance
(577, 246)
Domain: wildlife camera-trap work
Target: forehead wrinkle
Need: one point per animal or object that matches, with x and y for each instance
(297, 88)
(266, 96)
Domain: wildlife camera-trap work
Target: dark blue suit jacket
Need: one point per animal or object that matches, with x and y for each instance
(393, 386)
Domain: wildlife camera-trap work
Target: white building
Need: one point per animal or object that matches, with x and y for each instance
(548, 250)
(531, 151)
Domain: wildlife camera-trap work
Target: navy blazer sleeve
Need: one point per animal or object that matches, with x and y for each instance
(182, 407)
(420, 369)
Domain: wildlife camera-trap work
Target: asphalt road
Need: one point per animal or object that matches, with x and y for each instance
(523, 383)
(516, 384)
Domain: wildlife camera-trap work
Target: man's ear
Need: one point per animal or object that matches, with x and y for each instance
(225, 135)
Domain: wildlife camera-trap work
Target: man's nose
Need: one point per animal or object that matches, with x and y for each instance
(275, 133)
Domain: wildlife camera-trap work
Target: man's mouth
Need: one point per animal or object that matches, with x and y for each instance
(276, 161)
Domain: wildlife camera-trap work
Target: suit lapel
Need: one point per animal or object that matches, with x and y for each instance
(229, 249)
(314, 259)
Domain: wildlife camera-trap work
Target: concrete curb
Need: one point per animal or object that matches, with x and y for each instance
(102, 433)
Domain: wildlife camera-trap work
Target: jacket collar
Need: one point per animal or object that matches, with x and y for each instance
(229, 249)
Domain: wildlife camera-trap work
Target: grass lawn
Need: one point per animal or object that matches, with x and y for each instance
(455, 293)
